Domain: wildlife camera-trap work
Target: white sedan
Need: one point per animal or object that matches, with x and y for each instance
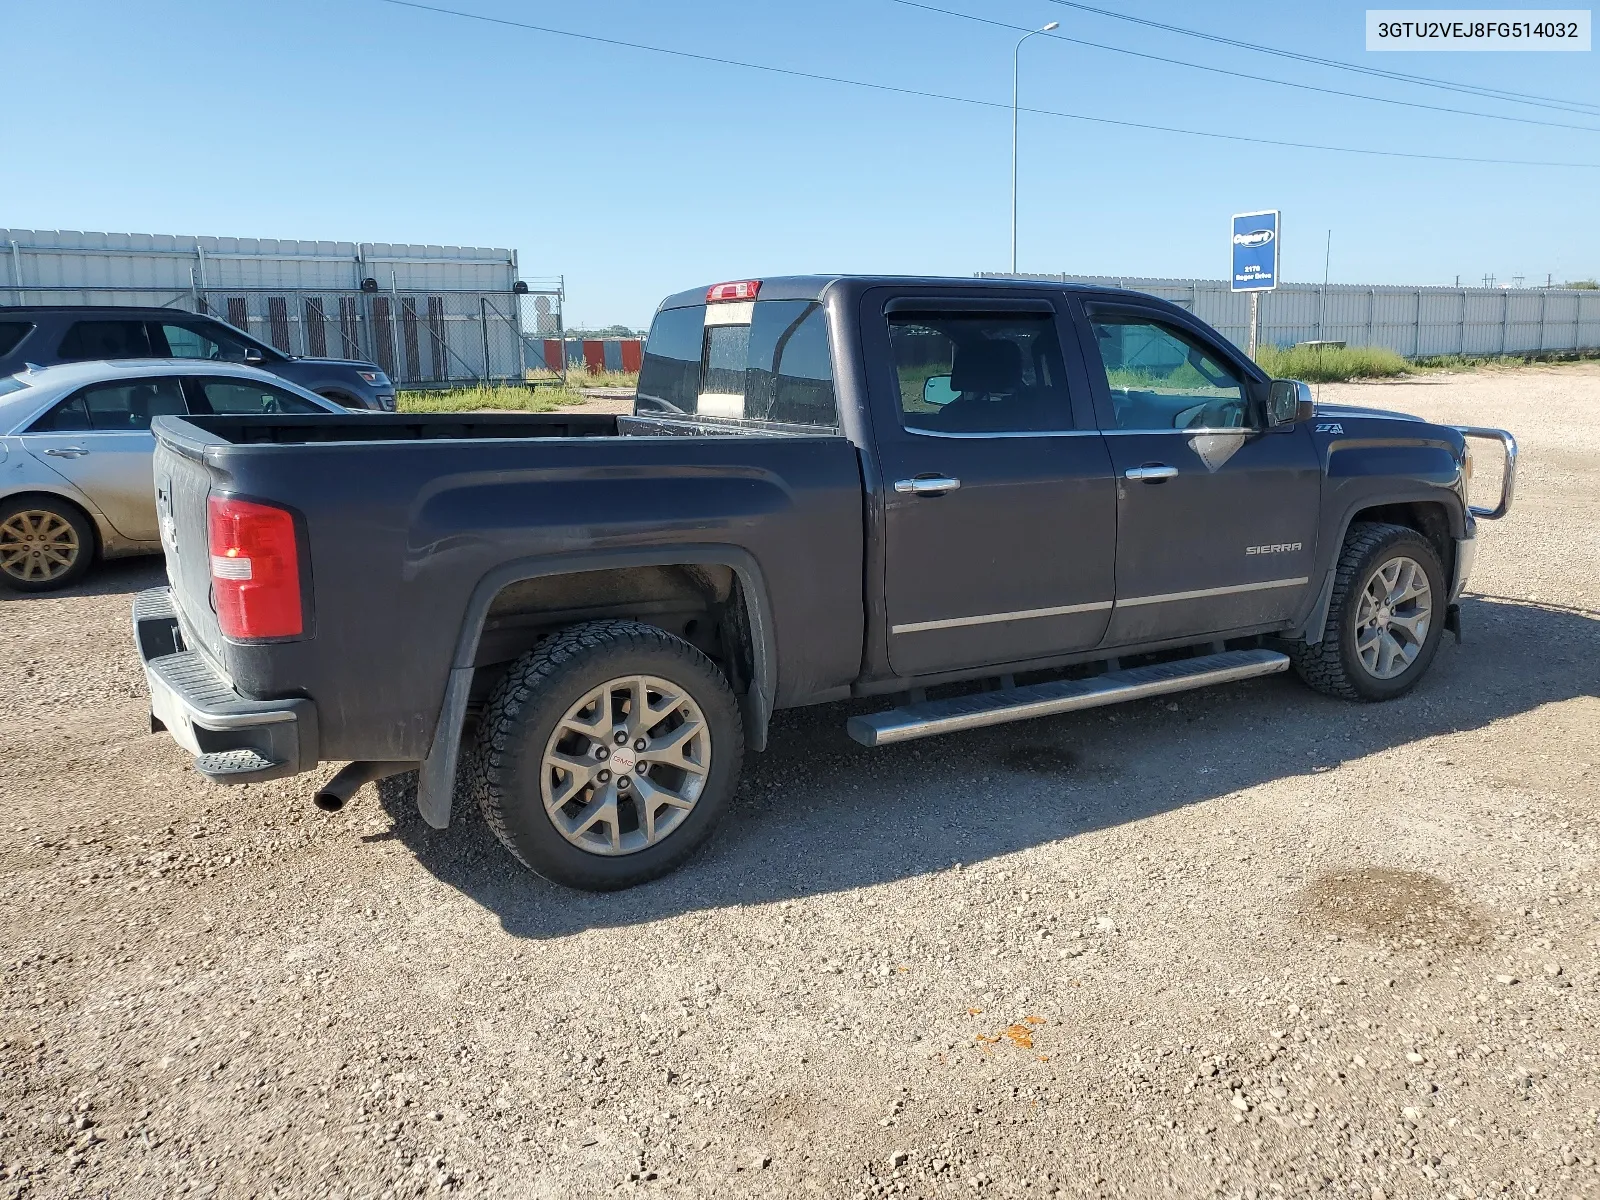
(75, 455)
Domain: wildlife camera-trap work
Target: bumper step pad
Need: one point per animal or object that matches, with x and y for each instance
(235, 766)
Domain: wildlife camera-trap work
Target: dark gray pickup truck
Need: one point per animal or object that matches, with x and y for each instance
(980, 500)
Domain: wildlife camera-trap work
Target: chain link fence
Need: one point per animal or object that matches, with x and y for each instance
(420, 339)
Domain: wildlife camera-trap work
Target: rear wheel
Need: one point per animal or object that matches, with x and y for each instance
(45, 544)
(1385, 620)
(607, 755)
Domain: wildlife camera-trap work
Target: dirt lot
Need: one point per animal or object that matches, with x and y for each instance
(1248, 943)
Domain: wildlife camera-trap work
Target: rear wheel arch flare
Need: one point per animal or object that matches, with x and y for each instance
(756, 698)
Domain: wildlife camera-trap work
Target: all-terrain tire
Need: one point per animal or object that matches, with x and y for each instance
(1333, 666)
(536, 693)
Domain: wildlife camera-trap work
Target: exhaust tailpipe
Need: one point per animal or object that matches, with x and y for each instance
(336, 793)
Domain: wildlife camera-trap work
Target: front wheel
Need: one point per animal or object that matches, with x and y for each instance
(607, 755)
(1385, 620)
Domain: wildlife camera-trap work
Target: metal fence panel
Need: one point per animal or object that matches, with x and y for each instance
(1412, 321)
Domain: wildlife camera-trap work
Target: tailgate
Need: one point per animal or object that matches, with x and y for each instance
(183, 481)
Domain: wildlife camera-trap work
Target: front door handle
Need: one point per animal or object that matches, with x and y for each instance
(931, 486)
(67, 451)
(1151, 472)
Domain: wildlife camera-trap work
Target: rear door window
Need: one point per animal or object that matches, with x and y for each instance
(105, 339)
(11, 334)
(967, 372)
(126, 406)
(245, 397)
(765, 361)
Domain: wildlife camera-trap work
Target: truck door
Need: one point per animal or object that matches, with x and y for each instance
(1216, 517)
(999, 509)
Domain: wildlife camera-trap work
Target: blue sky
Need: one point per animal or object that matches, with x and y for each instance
(635, 175)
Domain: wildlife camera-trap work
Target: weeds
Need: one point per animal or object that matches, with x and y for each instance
(1331, 364)
(520, 399)
(547, 397)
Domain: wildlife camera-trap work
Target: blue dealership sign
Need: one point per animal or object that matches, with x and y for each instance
(1255, 251)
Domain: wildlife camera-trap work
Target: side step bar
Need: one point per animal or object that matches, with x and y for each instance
(1066, 695)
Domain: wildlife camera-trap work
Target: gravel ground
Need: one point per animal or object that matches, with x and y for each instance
(1247, 943)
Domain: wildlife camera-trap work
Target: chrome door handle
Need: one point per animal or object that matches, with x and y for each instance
(1153, 473)
(67, 451)
(927, 487)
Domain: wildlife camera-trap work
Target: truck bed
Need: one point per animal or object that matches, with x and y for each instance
(411, 525)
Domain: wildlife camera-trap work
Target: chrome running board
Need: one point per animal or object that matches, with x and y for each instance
(1065, 695)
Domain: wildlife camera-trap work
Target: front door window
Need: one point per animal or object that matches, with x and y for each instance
(1160, 379)
(204, 341)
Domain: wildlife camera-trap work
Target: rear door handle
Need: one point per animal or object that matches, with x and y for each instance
(933, 486)
(1151, 472)
(67, 451)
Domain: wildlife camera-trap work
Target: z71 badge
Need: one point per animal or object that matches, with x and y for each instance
(1335, 427)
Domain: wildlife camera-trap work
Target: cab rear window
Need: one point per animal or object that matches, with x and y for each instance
(766, 361)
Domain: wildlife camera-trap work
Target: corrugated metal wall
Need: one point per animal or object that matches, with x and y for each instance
(440, 314)
(100, 266)
(1413, 321)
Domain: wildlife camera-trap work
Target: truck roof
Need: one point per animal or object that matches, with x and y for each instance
(811, 287)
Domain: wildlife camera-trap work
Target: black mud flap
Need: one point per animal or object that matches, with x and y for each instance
(1452, 621)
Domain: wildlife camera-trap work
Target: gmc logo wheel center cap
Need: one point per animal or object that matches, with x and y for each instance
(623, 759)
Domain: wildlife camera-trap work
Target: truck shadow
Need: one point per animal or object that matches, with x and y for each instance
(817, 813)
(115, 576)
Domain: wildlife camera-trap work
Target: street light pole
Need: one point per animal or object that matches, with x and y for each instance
(1016, 67)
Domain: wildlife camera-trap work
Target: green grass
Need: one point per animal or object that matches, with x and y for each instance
(522, 399)
(1331, 364)
(547, 397)
(1473, 362)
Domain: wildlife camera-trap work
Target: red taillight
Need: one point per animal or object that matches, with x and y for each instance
(744, 289)
(255, 570)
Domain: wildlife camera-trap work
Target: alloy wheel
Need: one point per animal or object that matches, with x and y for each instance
(624, 767)
(1393, 618)
(37, 545)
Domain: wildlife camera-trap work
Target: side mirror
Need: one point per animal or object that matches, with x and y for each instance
(253, 357)
(1288, 402)
(936, 391)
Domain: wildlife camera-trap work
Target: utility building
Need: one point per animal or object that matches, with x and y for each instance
(428, 315)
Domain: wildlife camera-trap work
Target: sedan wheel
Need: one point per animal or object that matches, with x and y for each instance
(39, 548)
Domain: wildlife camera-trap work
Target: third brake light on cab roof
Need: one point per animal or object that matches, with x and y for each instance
(743, 289)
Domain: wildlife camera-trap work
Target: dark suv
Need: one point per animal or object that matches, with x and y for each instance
(50, 334)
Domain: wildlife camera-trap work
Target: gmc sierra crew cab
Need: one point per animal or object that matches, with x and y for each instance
(979, 500)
